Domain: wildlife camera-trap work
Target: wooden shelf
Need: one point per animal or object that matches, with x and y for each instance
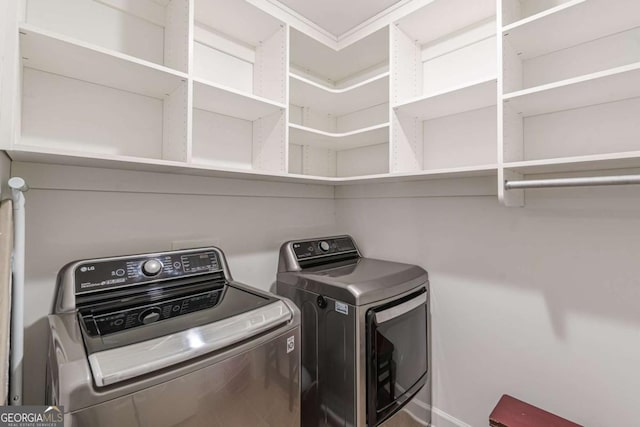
(372, 135)
(339, 101)
(445, 17)
(570, 24)
(230, 102)
(458, 100)
(625, 160)
(46, 51)
(606, 86)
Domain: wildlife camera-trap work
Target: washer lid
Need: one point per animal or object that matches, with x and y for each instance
(358, 282)
(123, 363)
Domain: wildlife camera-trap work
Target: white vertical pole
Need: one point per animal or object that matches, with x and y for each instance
(18, 187)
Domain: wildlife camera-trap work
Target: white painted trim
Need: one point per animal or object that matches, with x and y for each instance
(418, 410)
(445, 417)
(382, 19)
(360, 31)
(297, 21)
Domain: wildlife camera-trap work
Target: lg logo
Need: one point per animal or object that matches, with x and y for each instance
(84, 269)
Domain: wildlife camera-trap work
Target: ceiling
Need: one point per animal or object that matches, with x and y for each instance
(338, 16)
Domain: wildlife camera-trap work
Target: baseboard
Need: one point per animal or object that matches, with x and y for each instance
(419, 411)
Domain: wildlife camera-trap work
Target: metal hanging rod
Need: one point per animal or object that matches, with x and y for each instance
(572, 182)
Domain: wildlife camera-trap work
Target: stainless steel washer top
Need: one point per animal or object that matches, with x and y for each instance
(135, 334)
(334, 267)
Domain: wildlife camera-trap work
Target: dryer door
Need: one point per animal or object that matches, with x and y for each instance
(397, 358)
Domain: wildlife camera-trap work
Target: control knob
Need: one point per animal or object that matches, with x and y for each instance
(151, 267)
(324, 246)
(149, 316)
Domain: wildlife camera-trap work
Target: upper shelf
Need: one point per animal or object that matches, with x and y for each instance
(339, 101)
(442, 17)
(339, 141)
(458, 100)
(240, 21)
(57, 54)
(230, 102)
(324, 62)
(606, 86)
(570, 24)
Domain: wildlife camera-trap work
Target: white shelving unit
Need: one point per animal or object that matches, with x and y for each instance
(444, 87)
(569, 24)
(597, 162)
(372, 135)
(141, 110)
(240, 87)
(597, 88)
(570, 90)
(223, 88)
(155, 31)
(339, 101)
(473, 96)
(226, 101)
(339, 107)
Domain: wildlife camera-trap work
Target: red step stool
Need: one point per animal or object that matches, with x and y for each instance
(511, 412)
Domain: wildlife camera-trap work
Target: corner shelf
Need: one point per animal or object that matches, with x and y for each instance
(469, 97)
(570, 24)
(490, 170)
(343, 64)
(339, 101)
(230, 102)
(373, 135)
(597, 88)
(53, 53)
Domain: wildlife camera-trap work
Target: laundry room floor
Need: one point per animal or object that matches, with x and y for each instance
(402, 419)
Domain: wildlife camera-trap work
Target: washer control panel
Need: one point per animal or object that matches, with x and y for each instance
(123, 272)
(321, 247)
(120, 320)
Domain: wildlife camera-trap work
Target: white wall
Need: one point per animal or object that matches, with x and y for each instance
(541, 302)
(75, 213)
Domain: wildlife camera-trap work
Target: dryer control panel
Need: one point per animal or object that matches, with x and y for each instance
(324, 247)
